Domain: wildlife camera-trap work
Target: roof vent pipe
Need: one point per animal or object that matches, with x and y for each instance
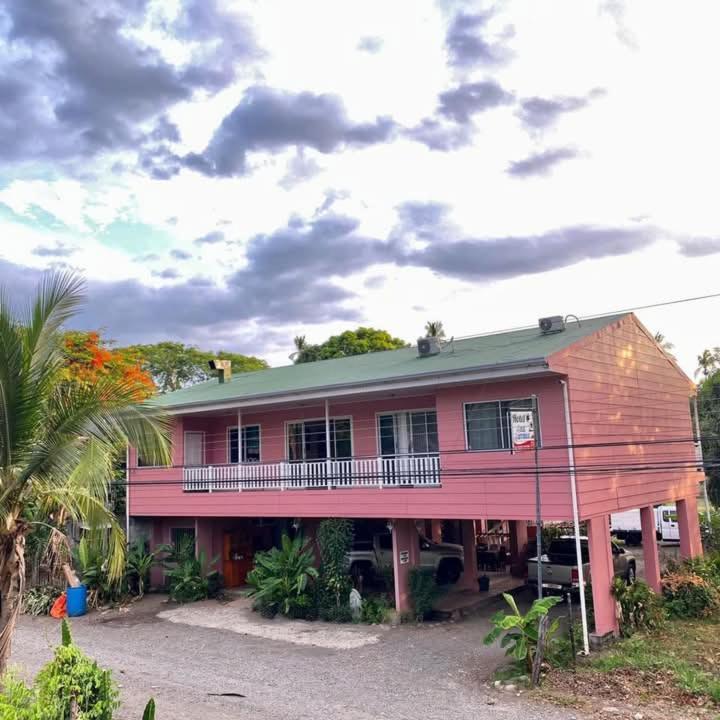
(223, 368)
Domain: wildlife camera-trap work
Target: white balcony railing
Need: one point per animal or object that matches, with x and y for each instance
(396, 471)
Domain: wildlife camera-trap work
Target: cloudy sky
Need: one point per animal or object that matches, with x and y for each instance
(232, 174)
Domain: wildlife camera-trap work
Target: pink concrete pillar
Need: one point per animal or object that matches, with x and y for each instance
(689, 526)
(518, 547)
(469, 579)
(405, 556)
(601, 572)
(204, 541)
(436, 530)
(650, 548)
(157, 576)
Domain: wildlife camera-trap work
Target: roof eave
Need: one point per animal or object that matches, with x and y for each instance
(497, 371)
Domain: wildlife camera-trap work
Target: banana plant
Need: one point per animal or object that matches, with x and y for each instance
(520, 632)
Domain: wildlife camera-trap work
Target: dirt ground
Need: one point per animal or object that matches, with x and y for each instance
(188, 657)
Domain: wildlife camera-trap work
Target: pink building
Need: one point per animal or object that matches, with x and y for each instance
(401, 437)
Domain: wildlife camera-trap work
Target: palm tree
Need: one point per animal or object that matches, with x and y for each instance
(665, 344)
(434, 328)
(58, 439)
(708, 362)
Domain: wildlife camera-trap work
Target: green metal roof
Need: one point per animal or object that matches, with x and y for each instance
(506, 349)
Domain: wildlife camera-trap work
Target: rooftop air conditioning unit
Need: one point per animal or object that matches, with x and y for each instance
(553, 324)
(428, 346)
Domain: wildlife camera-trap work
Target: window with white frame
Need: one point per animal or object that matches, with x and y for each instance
(250, 451)
(487, 424)
(408, 433)
(307, 439)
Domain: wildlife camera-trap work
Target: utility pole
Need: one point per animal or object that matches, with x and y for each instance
(538, 499)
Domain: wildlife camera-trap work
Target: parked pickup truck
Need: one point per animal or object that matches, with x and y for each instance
(560, 569)
(369, 555)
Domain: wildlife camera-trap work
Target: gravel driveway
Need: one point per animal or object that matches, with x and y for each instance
(363, 673)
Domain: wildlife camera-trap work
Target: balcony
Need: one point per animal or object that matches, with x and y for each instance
(380, 472)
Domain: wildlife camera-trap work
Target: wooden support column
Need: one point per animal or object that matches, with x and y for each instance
(469, 578)
(518, 547)
(650, 548)
(405, 557)
(601, 571)
(689, 525)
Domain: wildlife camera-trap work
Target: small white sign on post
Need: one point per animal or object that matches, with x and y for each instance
(522, 429)
(404, 557)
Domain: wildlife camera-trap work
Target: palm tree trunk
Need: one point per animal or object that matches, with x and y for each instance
(12, 585)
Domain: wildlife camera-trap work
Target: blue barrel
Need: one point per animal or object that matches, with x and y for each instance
(76, 601)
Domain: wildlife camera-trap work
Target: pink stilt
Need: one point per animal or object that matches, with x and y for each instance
(650, 547)
(405, 557)
(601, 571)
(689, 526)
(469, 579)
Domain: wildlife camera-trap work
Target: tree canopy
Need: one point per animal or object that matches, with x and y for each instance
(173, 365)
(88, 357)
(351, 342)
(708, 400)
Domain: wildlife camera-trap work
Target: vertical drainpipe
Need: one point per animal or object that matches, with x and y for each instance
(327, 443)
(576, 517)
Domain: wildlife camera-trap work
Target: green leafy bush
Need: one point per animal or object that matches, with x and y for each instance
(640, 607)
(334, 538)
(711, 531)
(520, 632)
(281, 579)
(373, 610)
(688, 595)
(38, 600)
(91, 556)
(184, 572)
(424, 591)
(70, 687)
(138, 564)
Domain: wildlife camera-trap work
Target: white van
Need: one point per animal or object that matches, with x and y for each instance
(626, 525)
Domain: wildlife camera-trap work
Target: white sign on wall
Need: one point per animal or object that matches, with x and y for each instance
(522, 429)
(404, 557)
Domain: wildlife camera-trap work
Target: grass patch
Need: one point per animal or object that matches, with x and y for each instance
(667, 670)
(688, 651)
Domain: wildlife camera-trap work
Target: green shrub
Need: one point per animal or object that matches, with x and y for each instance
(138, 564)
(711, 531)
(688, 595)
(38, 600)
(424, 591)
(186, 578)
(281, 580)
(520, 632)
(373, 610)
(334, 538)
(640, 607)
(70, 687)
(90, 556)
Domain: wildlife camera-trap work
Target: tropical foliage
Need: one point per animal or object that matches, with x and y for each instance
(640, 607)
(520, 632)
(185, 573)
(708, 404)
(281, 580)
(334, 538)
(351, 342)
(172, 365)
(137, 567)
(90, 358)
(424, 591)
(58, 438)
(70, 687)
